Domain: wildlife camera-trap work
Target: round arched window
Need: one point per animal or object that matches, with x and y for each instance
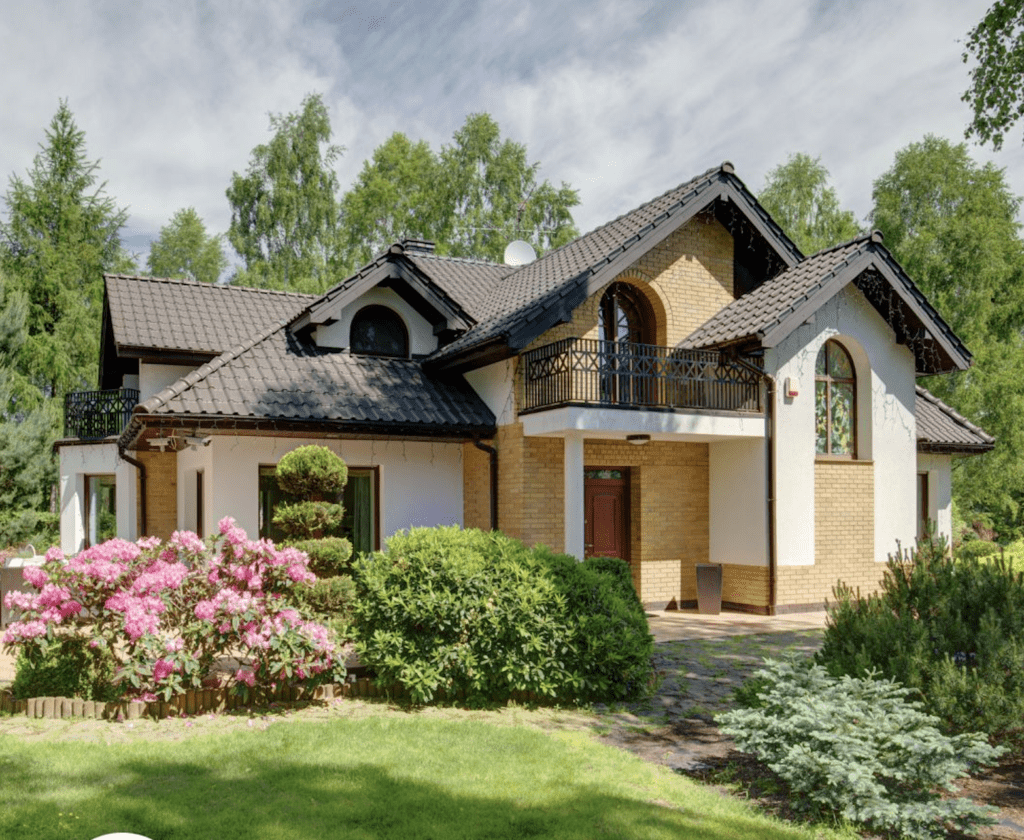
(624, 316)
(835, 392)
(379, 331)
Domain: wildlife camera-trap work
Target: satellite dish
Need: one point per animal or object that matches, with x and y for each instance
(519, 252)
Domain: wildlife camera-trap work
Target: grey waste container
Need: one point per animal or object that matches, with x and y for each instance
(709, 588)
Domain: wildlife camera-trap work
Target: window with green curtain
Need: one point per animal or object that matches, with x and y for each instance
(835, 392)
(358, 498)
(360, 522)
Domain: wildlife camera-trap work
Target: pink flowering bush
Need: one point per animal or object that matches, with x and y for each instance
(162, 613)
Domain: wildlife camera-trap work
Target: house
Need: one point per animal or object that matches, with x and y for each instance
(679, 386)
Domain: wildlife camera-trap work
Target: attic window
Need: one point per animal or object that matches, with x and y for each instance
(379, 331)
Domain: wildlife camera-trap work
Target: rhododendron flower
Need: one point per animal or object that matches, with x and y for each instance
(205, 610)
(175, 644)
(246, 676)
(162, 669)
(54, 553)
(36, 576)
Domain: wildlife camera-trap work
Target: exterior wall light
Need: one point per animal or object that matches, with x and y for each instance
(638, 440)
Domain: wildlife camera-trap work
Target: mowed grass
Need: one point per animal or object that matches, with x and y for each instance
(392, 775)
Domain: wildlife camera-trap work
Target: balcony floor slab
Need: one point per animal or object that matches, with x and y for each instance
(697, 427)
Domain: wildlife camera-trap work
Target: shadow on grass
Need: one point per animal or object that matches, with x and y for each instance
(288, 783)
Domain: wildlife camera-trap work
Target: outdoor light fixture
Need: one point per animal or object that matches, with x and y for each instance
(638, 440)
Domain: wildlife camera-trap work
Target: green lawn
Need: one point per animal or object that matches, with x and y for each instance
(387, 775)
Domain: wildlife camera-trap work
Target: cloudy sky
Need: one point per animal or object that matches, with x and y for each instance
(621, 99)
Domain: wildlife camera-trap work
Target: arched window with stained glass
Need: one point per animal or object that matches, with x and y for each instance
(835, 394)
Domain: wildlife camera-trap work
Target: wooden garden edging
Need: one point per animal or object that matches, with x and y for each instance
(192, 702)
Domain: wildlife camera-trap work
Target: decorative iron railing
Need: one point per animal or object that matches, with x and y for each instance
(579, 371)
(91, 415)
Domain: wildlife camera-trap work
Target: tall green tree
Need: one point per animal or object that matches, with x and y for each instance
(184, 249)
(284, 210)
(996, 94)
(395, 196)
(62, 233)
(471, 198)
(28, 427)
(799, 197)
(952, 224)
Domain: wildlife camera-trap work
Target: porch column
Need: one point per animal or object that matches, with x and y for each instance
(573, 496)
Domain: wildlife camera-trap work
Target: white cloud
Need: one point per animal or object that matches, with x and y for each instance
(622, 100)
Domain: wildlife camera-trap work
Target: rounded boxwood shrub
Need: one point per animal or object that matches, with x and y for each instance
(448, 612)
(951, 630)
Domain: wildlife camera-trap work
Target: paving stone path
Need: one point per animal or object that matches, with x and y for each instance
(675, 726)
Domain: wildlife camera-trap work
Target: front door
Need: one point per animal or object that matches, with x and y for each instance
(606, 510)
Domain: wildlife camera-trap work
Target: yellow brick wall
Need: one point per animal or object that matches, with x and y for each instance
(686, 278)
(745, 585)
(161, 493)
(844, 536)
(476, 487)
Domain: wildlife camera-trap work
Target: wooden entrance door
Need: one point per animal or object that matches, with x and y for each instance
(606, 511)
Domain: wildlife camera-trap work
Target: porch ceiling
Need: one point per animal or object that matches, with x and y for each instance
(617, 423)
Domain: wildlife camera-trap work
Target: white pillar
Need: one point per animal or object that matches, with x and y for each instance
(574, 512)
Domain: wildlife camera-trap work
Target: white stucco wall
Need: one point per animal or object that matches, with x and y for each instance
(495, 385)
(940, 490)
(77, 462)
(421, 335)
(736, 502)
(885, 424)
(420, 483)
(154, 378)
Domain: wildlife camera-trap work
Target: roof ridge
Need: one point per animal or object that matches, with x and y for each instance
(447, 258)
(725, 167)
(861, 237)
(184, 281)
(199, 374)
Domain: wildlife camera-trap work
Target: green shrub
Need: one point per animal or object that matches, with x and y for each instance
(447, 611)
(976, 549)
(857, 748)
(329, 597)
(312, 472)
(951, 630)
(328, 557)
(67, 668)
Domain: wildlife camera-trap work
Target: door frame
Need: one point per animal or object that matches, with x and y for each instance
(627, 523)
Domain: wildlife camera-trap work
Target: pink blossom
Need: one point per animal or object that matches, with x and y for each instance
(54, 553)
(188, 541)
(162, 668)
(175, 644)
(24, 630)
(36, 576)
(247, 676)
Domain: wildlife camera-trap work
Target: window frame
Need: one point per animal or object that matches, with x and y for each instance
(368, 312)
(829, 380)
(373, 472)
(87, 508)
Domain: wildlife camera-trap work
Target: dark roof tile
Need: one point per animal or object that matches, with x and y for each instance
(941, 429)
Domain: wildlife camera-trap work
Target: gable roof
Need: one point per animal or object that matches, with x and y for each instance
(281, 381)
(767, 315)
(941, 430)
(535, 297)
(150, 314)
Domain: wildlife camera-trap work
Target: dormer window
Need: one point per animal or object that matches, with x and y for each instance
(379, 331)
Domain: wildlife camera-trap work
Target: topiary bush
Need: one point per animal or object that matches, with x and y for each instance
(859, 749)
(950, 630)
(447, 611)
(328, 557)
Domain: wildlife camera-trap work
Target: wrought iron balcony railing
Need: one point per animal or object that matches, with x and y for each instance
(91, 415)
(579, 371)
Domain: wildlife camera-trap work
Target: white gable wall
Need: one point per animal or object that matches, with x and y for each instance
(154, 378)
(422, 340)
(885, 424)
(420, 483)
(940, 490)
(77, 462)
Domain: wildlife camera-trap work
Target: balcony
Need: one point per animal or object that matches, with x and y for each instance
(92, 415)
(612, 374)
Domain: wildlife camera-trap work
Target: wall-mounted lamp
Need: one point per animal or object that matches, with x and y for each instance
(638, 440)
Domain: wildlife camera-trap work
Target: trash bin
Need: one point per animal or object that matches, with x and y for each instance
(709, 588)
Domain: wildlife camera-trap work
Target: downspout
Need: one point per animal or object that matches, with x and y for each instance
(769, 469)
(490, 450)
(142, 488)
